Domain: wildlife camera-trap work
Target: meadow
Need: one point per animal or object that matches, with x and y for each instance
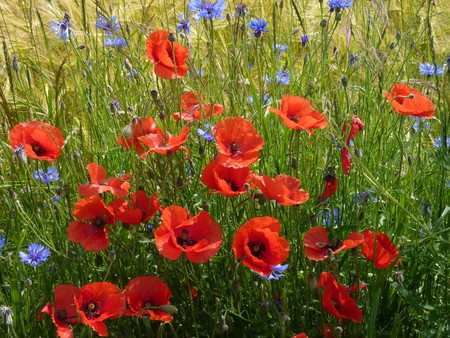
(239, 169)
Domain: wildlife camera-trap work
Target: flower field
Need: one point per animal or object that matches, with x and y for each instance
(224, 168)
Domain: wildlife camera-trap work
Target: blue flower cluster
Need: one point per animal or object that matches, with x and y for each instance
(52, 174)
(206, 134)
(334, 4)
(277, 272)
(259, 26)
(36, 255)
(439, 142)
(109, 26)
(63, 29)
(430, 69)
(184, 25)
(207, 9)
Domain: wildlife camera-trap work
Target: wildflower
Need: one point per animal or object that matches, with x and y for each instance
(199, 237)
(96, 302)
(139, 210)
(241, 10)
(194, 109)
(238, 142)
(329, 217)
(259, 244)
(283, 188)
(266, 99)
(64, 310)
(52, 174)
(280, 48)
(331, 184)
(62, 29)
(36, 255)
(298, 113)
(93, 235)
(184, 25)
(206, 134)
(304, 39)
(39, 140)
(15, 63)
(207, 9)
(144, 296)
(21, 153)
(336, 4)
(100, 184)
(317, 244)
(441, 142)
(352, 59)
(168, 144)
(139, 126)
(365, 197)
(355, 127)
(430, 69)
(283, 77)
(7, 312)
(225, 180)
(250, 66)
(421, 124)
(379, 249)
(300, 335)
(115, 42)
(109, 26)
(259, 26)
(336, 300)
(163, 53)
(2, 241)
(277, 272)
(406, 100)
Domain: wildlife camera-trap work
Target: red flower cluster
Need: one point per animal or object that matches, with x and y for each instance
(170, 57)
(41, 141)
(194, 109)
(259, 244)
(199, 237)
(93, 303)
(406, 100)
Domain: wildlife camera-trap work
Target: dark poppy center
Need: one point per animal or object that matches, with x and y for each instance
(257, 249)
(38, 149)
(232, 185)
(334, 245)
(184, 241)
(147, 304)
(98, 223)
(294, 118)
(92, 309)
(62, 314)
(233, 148)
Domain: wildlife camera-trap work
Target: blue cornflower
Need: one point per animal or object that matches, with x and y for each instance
(250, 66)
(305, 39)
(283, 77)
(36, 255)
(2, 241)
(52, 174)
(277, 272)
(421, 123)
(184, 25)
(430, 69)
(365, 197)
(115, 42)
(207, 10)
(206, 134)
(352, 59)
(280, 48)
(21, 153)
(439, 142)
(334, 4)
(7, 312)
(259, 26)
(327, 218)
(109, 26)
(62, 29)
(266, 99)
(150, 227)
(241, 10)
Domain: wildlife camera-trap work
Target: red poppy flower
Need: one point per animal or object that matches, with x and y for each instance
(170, 57)
(238, 142)
(283, 188)
(355, 127)
(139, 210)
(139, 126)
(191, 102)
(96, 302)
(336, 300)
(100, 184)
(143, 292)
(199, 237)
(259, 244)
(164, 145)
(406, 100)
(227, 181)
(379, 249)
(298, 113)
(317, 244)
(331, 184)
(93, 235)
(300, 335)
(64, 311)
(41, 140)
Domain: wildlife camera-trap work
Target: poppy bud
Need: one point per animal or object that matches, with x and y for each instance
(28, 282)
(312, 281)
(398, 35)
(281, 4)
(235, 286)
(246, 186)
(168, 308)
(180, 182)
(391, 45)
(162, 115)
(154, 94)
(294, 163)
(410, 162)
(130, 109)
(358, 153)
(338, 331)
(127, 131)
(12, 194)
(172, 37)
(306, 58)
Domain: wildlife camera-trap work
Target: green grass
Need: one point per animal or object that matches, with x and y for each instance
(72, 84)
